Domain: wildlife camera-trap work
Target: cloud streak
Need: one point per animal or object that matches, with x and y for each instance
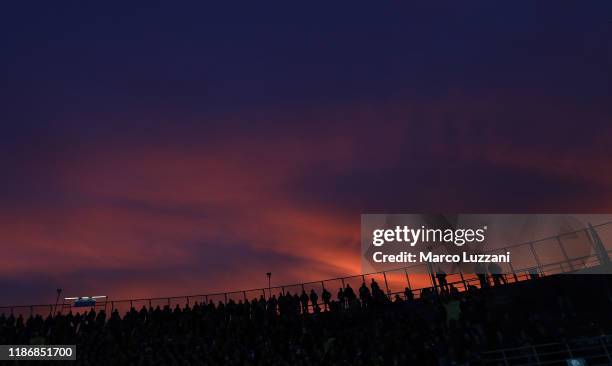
(134, 219)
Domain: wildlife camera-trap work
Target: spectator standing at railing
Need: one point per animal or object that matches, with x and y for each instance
(326, 295)
(364, 295)
(377, 294)
(441, 277)
(496, 274)
(408, 294)
(261, 303)
(426, 294)
(349, 295)
(481, 272)
(374, 286)
(272, 304)
(454, 292)
(341, 297)
(304, 301)
(391, 334)
(314, 300)
(282, 304)
(295, 306)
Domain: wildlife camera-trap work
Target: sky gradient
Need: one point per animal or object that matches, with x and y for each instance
(166, 149)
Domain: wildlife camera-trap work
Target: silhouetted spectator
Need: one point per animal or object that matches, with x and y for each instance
(408, 294)
(377, 294)
(326, 295)
(441, 277)
(314, 300)
(304, 301)
(364, 295)
(284, 303)
(349, 295)
(374, 286)
(426, 293)
(481, 272)
(272, 305)
(496, 274)
(341, 297)
(454, 292)
(432, 330)
(296, 304)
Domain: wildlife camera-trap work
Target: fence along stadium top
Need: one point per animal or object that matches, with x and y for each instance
(598, 257)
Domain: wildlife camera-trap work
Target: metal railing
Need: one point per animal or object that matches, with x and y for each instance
(393, 282)
(585, 351)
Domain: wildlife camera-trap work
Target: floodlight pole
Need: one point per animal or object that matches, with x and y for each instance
(269, 274)
(59, 292)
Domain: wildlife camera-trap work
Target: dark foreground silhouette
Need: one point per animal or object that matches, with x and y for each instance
(360, 327)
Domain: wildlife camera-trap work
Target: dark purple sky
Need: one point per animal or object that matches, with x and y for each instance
(168, 149)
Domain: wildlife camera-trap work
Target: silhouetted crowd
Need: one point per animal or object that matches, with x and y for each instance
(362, 327)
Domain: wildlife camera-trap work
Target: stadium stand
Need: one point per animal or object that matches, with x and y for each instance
(361, 326)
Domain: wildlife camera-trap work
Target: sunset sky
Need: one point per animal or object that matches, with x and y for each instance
(162, 149)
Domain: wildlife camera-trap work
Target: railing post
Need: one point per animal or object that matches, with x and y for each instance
(600, 249)
(569, 350)
(564, 254)
(407, 278)
(386, 284)
(603, 344)
(535, 255)
(463, 281)
(505, 359)
(535, 354)
(513, 272)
